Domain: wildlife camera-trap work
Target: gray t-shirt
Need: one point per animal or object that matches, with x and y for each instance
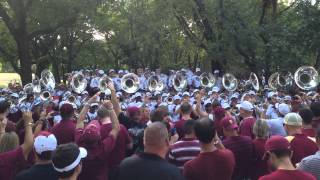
(311, 164)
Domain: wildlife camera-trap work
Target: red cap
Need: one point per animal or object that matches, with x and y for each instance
(219, 112)
(91, 134)
(132, 111)
(277, 143)
(229, 123)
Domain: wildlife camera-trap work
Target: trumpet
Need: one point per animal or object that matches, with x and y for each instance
(169, 100)
(45, 96)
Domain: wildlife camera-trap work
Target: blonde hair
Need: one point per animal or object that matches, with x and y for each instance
(9, 141)
(261, 129)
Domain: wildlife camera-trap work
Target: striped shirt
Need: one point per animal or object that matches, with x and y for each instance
(183, 151)
(311, 164)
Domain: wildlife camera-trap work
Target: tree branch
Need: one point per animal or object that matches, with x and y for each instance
(49, 30)
(7, 20)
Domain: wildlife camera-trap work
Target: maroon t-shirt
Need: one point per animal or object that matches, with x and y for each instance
(119, 151)
(302, 146)
(179, 126)
(260, 164)
(11, 163)
(96, 163)
(218, 164)
(64, 131)
(281, 174)
(243, 151)
(309, 132)
(246, 127)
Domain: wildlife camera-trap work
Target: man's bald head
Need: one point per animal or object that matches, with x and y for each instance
(156, 135)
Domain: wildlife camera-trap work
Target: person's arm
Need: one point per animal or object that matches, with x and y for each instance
(3, 125)
(198, 106)
(218, 142)
(28, 137)
(114, 99)
(85, 109)
(114, 119)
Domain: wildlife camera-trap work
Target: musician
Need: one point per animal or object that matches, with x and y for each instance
(272, 109)
(195, 79)
(95, 79)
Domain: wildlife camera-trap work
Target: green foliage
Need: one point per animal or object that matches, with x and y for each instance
(238, 36)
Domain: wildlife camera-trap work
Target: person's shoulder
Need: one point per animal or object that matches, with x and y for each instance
(25, 174)
(129, 161)
(307, 176)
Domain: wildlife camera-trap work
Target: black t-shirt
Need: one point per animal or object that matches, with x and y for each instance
(148, 166)
(38, 172)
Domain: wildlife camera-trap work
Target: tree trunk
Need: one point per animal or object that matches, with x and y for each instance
(56, 73)
(25, 61)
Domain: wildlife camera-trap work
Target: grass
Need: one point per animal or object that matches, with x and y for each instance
(6, 78)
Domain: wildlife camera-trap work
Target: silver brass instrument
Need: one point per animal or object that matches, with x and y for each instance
(207, 80)
(28, 88)
(284, 80)
(155, 84)
(45, 96)
(306, 78)
(179, 82)
(78, 83)
(254, 81)
(130, 83)
(229, 82)
(47, 80)
(273, 81)
(103, 84)
(170, 100)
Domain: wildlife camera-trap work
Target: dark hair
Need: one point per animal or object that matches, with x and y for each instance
(204, 130)
(282, 153)
(306, 115)
(188, 127)
(63, 156)
(46, 155)
(158, 115)
(315, 108)
(186, 108)
(66, 111)
(4, 106)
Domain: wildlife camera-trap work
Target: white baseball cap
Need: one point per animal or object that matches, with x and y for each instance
(216, 71)
(270, 94)
(287, 98)
(45, 141)
(246, 105)
(198, 70)
(176, 97)
(185, 94)
(215, 89)
(101, 72)
(284, 109)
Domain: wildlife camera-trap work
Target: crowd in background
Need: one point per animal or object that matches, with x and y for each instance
(195, 134)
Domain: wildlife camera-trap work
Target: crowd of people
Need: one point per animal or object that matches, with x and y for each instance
(196, 134)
